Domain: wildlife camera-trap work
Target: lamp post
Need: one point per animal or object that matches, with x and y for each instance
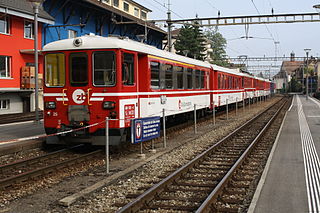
(307, 50)
(36, 4)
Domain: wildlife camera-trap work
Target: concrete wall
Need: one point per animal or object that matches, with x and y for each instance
(15, 106)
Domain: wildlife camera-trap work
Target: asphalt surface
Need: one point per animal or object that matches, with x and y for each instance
(20, 130)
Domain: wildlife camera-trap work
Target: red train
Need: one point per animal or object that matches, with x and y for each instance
(90, 78)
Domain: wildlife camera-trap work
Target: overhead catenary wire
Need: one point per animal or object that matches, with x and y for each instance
(264, 24)
(163, 5)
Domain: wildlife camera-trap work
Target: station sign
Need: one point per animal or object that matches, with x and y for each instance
(144, 129)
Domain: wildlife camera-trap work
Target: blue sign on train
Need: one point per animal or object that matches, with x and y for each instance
(144, 129)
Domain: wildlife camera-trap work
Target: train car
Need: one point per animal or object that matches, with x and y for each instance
(248, 86)
(228, 86)
(90, 78)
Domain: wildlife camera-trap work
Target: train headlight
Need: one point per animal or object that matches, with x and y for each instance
(50, 105)
(77, 42)
(109, 105)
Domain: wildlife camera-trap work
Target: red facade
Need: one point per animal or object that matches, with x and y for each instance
(11, 45)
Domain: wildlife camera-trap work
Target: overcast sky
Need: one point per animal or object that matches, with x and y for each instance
(292, 37)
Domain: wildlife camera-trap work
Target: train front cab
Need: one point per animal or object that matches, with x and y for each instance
(82, 89)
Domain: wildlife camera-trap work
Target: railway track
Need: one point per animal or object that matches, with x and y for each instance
(20, 171)
(217, 179)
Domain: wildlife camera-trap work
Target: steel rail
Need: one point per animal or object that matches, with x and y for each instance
(148, 195)
(45, 170)
(34, 160)
(218, 189)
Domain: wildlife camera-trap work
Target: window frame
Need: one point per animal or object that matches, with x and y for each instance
(7, 67)
(45, 71)
(78, 84)
(133, 70)
(115, 3)
(179, 71)
(143, 12)
(159, 74)
(32, 30)
(93, 68)
(165, 70)
(136, 10)
(7, 101)
(189, 77)
(124, 8)
(7, 25)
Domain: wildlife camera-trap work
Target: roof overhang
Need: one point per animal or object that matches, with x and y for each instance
(135, 20)
(14, 90)
(24, 15)
(30, 51)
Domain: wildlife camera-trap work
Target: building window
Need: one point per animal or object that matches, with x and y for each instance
(105, 1)
(72, 34)
(5, 104)
(28, 29)
(143, 15)
(4, 25)
(126, 6)
(116, 3)
(136, 12)
(5, 67)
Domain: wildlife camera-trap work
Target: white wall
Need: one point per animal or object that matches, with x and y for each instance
(16, 105)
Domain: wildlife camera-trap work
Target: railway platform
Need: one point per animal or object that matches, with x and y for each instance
(290, 182)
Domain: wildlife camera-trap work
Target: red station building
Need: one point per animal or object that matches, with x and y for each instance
(17, 55)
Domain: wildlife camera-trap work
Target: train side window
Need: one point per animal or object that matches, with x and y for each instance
(219, 83)
(168, 69)
(179, 71)
(202, 79)
(155, 74)
(78, 69)
(197, 79)
(104, 68)
(189, 78)
(128, 69)
(55, 73)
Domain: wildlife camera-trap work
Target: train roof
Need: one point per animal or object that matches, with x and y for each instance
(99, 42)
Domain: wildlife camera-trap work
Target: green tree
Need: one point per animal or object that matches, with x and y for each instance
(191, 42)
(295, 86)
(218, 45)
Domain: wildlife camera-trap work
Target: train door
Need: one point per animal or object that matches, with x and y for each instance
(78, 91)
(129, 80)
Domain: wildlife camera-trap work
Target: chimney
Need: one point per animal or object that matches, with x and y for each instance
(292, 56)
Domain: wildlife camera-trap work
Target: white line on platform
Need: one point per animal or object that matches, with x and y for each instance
(291, 103)
(311, 162)
(313, 116)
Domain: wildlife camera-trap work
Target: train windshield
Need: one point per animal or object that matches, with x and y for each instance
(104, 68)
(55, 70)
(78, 69)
